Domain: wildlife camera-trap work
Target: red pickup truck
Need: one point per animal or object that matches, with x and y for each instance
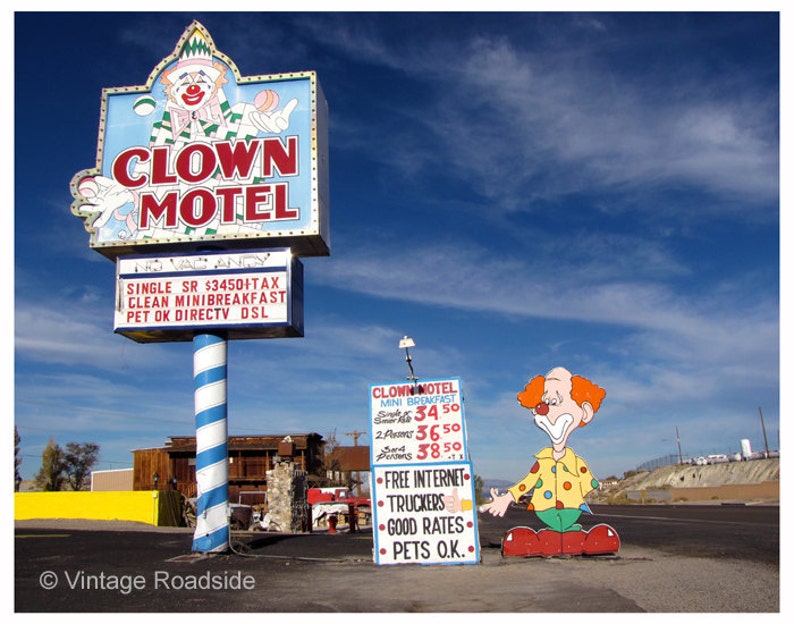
(332, 502)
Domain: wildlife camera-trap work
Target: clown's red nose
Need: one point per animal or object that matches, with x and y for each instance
(542, 409)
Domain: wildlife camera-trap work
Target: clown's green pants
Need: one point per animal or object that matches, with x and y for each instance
(560, 520)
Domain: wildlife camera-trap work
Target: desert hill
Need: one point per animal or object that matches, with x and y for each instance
(746, 481)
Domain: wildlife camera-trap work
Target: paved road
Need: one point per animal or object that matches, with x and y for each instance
(748, 533)
(671, 560)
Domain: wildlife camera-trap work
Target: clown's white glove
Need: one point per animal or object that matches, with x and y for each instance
(274, 122)
(498, 505)
(104, 194)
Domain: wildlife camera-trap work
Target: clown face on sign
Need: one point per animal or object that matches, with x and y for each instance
(558, 481)
(192, 88)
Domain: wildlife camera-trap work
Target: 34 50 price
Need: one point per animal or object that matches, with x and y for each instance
(431, 411)
(436, 451)
(434, 432)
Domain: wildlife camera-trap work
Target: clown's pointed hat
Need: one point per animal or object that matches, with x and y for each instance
(195, 56)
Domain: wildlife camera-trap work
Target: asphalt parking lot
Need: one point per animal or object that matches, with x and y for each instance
(122, 567)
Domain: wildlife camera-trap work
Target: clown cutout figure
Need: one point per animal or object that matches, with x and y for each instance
(558, 480)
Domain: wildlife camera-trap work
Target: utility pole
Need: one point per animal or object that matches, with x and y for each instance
(355, 434)
(763, 428)
(678, 441)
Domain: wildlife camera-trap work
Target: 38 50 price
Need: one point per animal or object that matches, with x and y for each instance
(436, 451)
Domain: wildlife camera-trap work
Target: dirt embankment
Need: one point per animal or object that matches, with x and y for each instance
(748, 481)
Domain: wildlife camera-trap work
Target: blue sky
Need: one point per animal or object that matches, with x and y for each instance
(515, 191)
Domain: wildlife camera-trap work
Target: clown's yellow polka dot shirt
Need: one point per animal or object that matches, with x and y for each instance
(556, 484)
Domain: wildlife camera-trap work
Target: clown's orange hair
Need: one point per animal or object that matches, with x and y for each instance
(582, 390)
(532, 393)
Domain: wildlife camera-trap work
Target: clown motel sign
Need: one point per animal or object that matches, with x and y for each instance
(423, 491)
(200, 156)
(251, 294)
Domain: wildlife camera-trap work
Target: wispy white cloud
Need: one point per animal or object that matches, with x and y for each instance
(503, 114)
(76, 334)
(547, 283)
(605, 133)
(706, 326)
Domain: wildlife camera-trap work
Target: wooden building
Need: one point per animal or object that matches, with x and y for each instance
(250, 457)
(349, 458)
(344, 465)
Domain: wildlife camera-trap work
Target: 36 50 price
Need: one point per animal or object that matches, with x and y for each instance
(434, 432)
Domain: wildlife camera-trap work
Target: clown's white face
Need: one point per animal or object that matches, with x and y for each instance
(558, 414)
(192, 90)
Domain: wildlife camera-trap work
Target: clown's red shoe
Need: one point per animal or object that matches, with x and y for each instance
(520, 542)
(556, 544)
(550, 543)
(602, 539)
(573, 542)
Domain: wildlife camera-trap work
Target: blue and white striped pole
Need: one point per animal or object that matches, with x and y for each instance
(212, 463)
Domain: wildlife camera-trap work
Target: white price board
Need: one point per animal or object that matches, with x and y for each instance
(425, 514)
(423, 491)
(420, 422)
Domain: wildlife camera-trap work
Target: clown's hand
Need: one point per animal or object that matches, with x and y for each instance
(499, 503)
(105, 195)
(274, 122)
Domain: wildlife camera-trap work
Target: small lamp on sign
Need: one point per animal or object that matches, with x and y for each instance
(406, 343)
(156, 479)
